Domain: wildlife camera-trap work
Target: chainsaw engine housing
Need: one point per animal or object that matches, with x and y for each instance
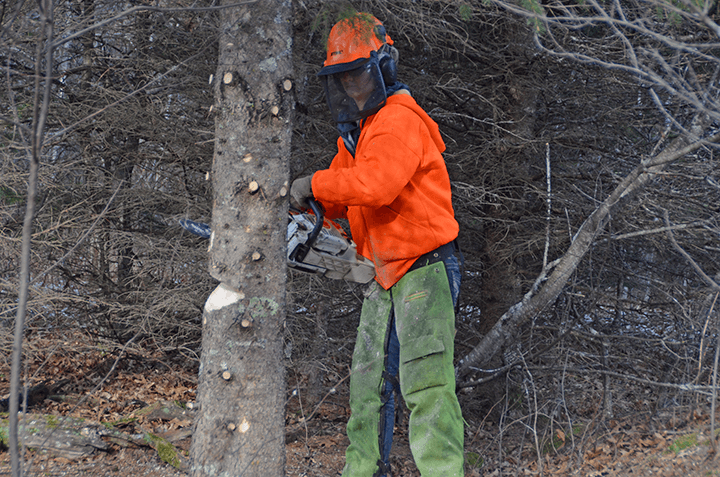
(330, 254)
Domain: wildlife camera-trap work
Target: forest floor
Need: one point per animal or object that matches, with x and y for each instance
(117, 405)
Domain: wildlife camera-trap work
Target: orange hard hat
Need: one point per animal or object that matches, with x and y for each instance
(353, 39)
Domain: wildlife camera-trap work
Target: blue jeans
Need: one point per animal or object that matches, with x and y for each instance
(452, 267)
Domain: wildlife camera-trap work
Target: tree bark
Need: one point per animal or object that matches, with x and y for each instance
(240, 427)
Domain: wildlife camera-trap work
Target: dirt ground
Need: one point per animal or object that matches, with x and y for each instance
(76, 375)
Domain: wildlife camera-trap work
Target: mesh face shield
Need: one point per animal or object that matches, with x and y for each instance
(354, 90)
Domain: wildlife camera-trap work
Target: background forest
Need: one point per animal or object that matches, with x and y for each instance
(581, 145)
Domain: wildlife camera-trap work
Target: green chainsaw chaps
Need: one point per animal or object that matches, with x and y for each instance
(425, 323)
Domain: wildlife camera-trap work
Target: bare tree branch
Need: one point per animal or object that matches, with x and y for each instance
(144, 8)
(658, 230)
(536, 300)
(711, 283)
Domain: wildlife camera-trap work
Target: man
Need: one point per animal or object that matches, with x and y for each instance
(390, 181)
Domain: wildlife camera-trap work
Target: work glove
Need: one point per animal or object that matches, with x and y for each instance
(300, 192)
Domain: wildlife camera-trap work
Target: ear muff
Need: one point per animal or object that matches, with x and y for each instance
(388, 64)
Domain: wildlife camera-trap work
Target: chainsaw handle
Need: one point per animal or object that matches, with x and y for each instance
(319, 219)
(299, 254)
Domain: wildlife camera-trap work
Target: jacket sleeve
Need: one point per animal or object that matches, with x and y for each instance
(334, 211)
(382, 167)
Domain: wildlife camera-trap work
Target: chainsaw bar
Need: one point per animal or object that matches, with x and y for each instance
(315, 245)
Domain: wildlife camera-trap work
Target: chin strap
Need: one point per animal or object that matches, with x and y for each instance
(350, 133)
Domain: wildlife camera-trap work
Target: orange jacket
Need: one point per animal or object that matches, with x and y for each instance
(395, 192)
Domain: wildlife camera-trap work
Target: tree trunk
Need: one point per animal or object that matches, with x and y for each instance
(43, 86)
(240, 426)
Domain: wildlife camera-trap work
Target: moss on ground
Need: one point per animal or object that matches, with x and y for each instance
(166, 451)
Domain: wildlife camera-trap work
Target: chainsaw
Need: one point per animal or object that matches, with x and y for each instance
(316, 245)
